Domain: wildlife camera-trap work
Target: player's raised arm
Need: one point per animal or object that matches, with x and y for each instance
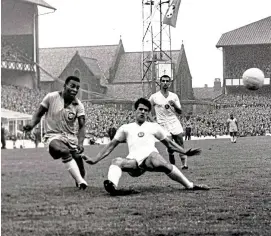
(172, 146)
(177, 148)
(120, 136)
(103, 153)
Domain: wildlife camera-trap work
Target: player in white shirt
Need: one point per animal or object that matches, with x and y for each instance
(167, 106)
(232, 128)
(143, 155)
(61, 110)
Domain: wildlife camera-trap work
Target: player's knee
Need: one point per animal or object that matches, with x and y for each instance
(117, 161)
(58, 149)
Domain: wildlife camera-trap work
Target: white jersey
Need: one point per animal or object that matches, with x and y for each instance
(232, 124)
(140, 139)
(165, 113)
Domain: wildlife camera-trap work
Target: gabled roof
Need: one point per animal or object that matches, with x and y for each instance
(39, 2)
(206, 93)
(258, 32)
(54, 60)
(129, 69)
(93, 65)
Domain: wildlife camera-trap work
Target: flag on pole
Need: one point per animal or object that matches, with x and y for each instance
(171, 15)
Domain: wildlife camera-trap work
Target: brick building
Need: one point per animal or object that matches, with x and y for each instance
(109, 70)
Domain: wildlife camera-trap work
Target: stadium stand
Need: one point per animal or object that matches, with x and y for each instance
(252, 111)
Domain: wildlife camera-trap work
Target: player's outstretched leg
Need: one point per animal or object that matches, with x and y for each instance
(58, 149)
(80, 163)
(113, 177)
(155, 162)
(118, 165)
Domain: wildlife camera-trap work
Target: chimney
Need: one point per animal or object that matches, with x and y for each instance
(217, 84)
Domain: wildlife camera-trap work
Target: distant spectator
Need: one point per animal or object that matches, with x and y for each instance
(3, 137)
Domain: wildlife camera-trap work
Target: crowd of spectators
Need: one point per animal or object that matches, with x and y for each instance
(20, 99)
(99, 118)
(253, 112)
(252, 121)
(259, 98)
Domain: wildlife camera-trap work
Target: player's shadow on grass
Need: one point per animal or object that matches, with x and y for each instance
(149, 190)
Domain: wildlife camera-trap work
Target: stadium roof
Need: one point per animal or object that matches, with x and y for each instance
(256, 33)
(39, 2)
(55, 60)
(13, 115)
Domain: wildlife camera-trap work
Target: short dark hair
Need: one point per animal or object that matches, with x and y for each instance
(165, 76)
(143, 101)
(72, 78)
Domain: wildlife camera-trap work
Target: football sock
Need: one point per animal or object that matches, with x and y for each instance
(74, 171)
(184, 159)
(178, 176)
(171, 158)
(114, 174)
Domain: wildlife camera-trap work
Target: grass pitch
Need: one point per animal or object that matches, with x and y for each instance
(39, 197)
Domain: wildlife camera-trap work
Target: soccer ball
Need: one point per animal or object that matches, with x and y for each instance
(253, 78)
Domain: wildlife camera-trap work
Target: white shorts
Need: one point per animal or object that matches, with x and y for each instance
(172, 127)
(141, 156)
(70, 140)
(140, 163)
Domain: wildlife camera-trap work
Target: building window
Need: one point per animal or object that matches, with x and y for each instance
(77, 73)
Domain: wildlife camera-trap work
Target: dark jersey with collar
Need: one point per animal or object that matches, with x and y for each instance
(60, 119)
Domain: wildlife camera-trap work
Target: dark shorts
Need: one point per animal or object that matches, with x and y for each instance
(233, 133)
(140, 170)
(188, 130)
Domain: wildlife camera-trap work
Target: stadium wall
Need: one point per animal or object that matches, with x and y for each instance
(17, 18)
(18, 78)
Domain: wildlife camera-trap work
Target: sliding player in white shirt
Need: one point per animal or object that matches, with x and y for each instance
(167, 106)
(143, 155)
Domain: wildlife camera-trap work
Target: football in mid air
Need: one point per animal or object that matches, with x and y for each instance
(253, 78)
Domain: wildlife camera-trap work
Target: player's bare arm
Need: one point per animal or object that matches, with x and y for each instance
(103, 153)
(176, 148)
(176, 108)
(36, 118)
(81, 130)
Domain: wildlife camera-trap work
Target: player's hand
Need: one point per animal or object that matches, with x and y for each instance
(171, 103)
(80, 149)
(88, 160)
(27, 128)
(193, 152)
